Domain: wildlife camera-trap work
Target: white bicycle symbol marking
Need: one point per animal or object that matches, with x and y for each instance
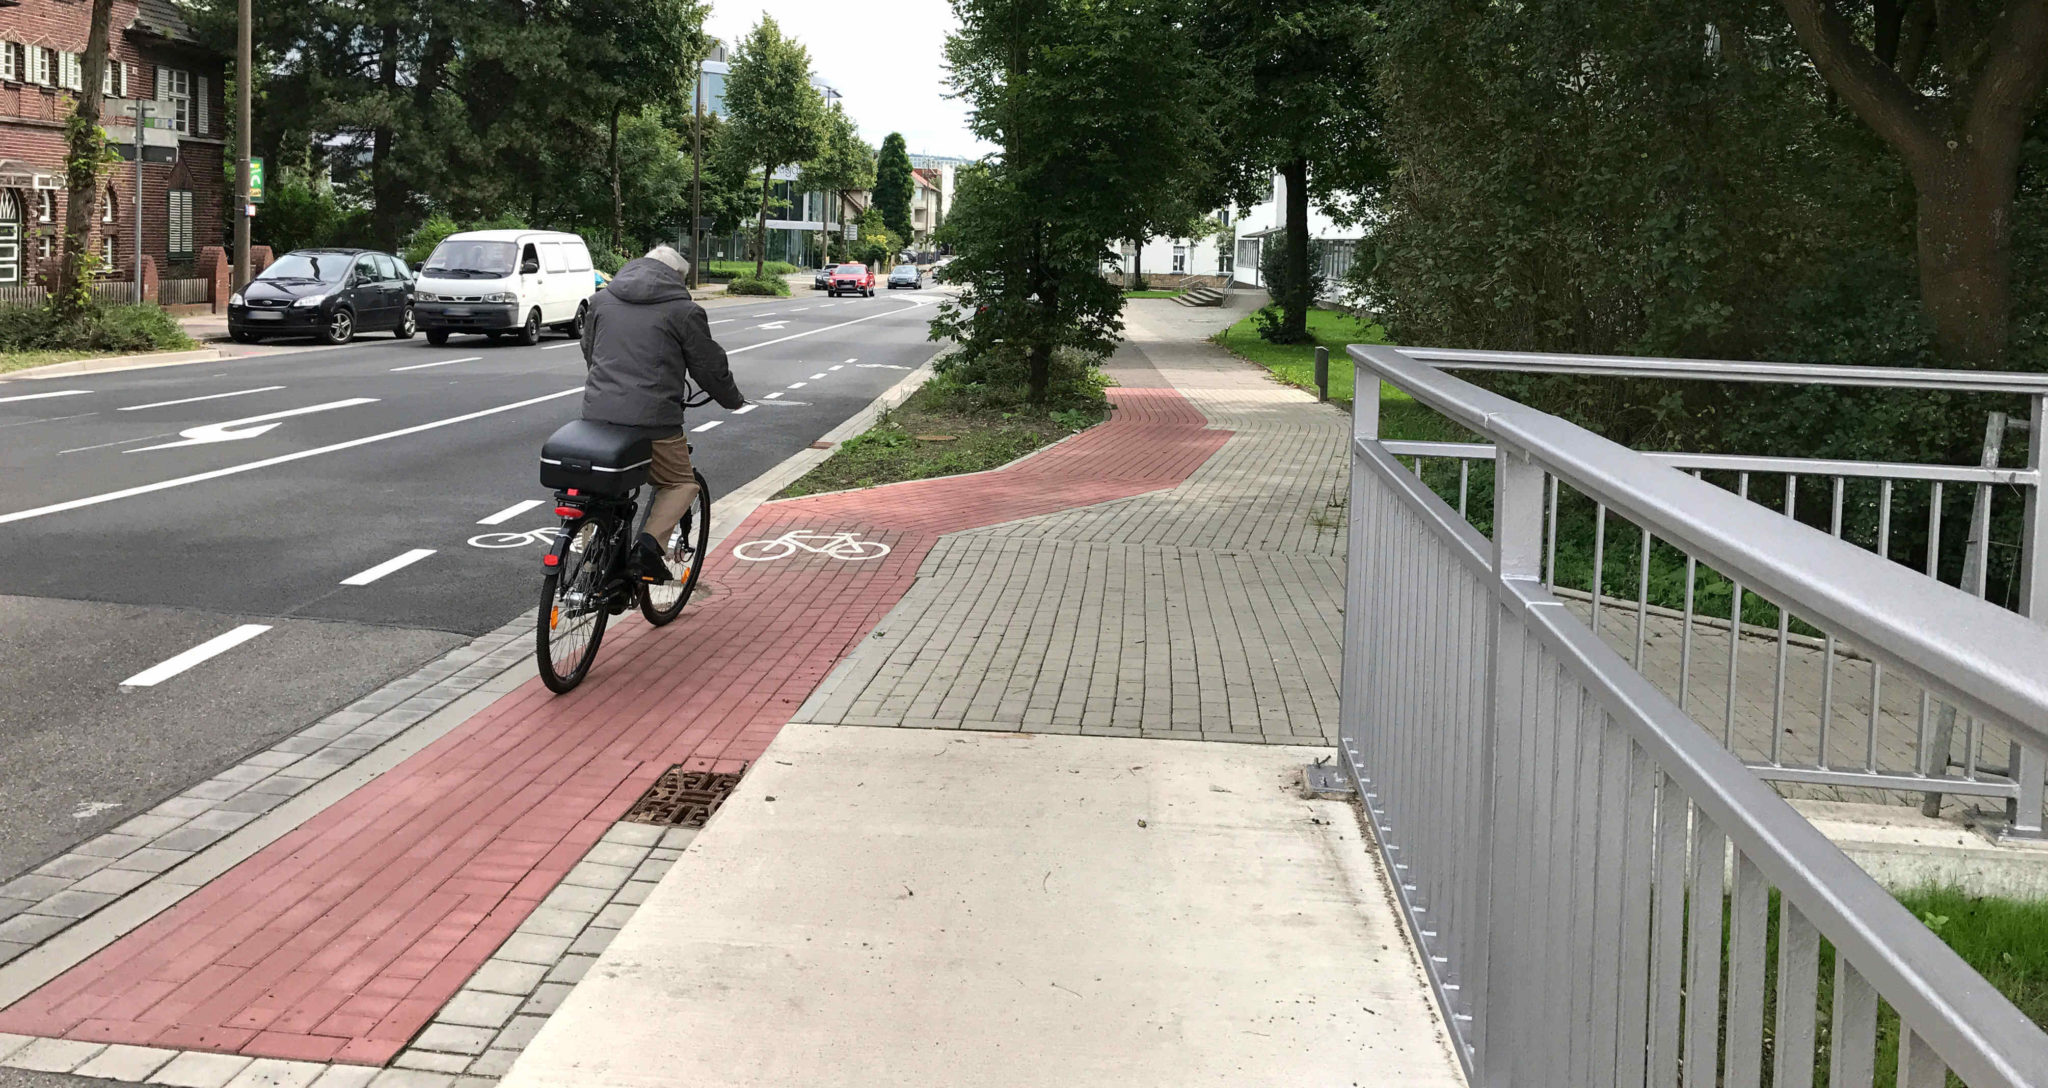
(544, 535)
(845, 546)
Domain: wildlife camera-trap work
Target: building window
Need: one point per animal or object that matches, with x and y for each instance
(10, 238)
(46, 205)
(1180, 260)
(179, 206)
(40, 61)
(107, 209)
(71, 71)
(114, 79)
(43, 248)
(10, 60)
(177, 89)
(107, 248)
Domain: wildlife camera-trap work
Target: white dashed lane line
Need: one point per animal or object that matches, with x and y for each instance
(835, 367)
(510, 512)
(744, 409)
(815, 377)
(398, 562)
(443, 362)
(213, 647)
(772, 396)
(797, 385)
(195, 400)
(725, 321)
(46, 396)
(706, 426)
(569, 344)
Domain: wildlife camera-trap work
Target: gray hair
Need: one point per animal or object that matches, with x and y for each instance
(668, 256)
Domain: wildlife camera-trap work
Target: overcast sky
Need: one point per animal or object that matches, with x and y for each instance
(887, 59)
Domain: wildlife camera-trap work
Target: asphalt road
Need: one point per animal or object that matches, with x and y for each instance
(144, 513)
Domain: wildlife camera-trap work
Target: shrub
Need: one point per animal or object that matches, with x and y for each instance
(426, 236)
(766, 285)
(122, 328)
(721, 270)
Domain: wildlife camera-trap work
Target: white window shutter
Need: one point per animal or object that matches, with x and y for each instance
(205, 112)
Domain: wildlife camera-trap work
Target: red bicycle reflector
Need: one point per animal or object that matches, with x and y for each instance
(550, 560)
(568, 512)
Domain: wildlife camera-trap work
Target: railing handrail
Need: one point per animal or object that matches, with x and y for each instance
(1729, 370)
(1988, 659)
(1736, 462)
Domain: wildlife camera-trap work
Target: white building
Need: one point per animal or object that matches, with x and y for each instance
(1168, 262)
(1264, 224)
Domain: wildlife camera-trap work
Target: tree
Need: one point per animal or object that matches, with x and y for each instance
(1960, 139)
(1292, 97)
(85, 159)
(843, 163)
(893, 184)
(633, 54)
(776, 117)
(1093, 108)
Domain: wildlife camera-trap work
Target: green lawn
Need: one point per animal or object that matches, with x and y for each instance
(1295, 364)
(22, 360)
(2006, 940)
(1152, 294)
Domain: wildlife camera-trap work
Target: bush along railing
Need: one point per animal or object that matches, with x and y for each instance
(1602, 891)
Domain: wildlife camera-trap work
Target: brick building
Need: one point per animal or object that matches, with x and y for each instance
(156, 63)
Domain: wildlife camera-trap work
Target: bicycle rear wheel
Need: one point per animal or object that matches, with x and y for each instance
(572, 610)
(684, 549)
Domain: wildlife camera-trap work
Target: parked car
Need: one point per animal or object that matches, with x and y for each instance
(823, 279)
(852, 279)
(906, 275)
(329, 293)
(505, 282)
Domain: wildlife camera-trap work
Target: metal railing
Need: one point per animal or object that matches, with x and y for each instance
(1603, 893)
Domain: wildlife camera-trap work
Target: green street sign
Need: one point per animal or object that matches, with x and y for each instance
(255, 180)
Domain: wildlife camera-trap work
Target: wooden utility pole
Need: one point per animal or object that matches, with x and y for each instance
(245, 89)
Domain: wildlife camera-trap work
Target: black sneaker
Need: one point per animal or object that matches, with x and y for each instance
(648, 563)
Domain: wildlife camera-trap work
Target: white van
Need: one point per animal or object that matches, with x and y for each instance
(504, 283)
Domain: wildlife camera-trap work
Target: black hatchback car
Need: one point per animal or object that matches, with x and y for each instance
(329, 293)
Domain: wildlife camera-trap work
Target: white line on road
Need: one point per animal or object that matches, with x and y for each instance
(799, 309)
(510, 512)
(828, 328)
(771, 396)
(815, 377)
(840, 366)
(281, 459)
(725, 321)
(47, 419)
(744, 409)
(237, 429)
(123, 442)
(848, 361)
(386, 567)
(444, 362)
(796, 385)
(45, 396)
(195, 400)
(213, 647)
(569, 344)
(707, 426)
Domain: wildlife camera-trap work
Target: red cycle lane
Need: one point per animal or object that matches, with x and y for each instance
(342, 939)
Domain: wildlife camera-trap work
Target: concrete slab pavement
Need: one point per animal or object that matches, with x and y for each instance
(883, 906)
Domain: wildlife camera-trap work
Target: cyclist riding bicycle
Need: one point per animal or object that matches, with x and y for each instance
(643, 341)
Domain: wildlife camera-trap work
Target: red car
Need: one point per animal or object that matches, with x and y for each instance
(852, 279)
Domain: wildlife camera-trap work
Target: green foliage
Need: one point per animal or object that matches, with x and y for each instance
(426, 236)
(893, 185)
(1289, 292)
(729, 269)
(1295, 363)
(757, 285)
(776, 117)
(95, 328)
(298, 215)
(843, 163)
(602, 256)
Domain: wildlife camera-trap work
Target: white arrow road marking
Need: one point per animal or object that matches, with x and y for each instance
(236, 429)
(46, 396)
(213, 647)
(281, 459)
(707, 426)
(195, 400)
(399, 562)
(510, 512)
(744, 409)
(444, 362)
(771, 325)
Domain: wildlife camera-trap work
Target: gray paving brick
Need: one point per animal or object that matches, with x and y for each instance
(593, 941)
(433, 1062)
(151, 860)
(574, 898)
(412, 1078)
(110, 846)
(193, 1069)
(126, 1063)
(633, 894)
(273, 1073)
(454, 1038)
(646, 835)
(519, 1032)
(472, 1008)
(494, 1063)
(72, 866)
(113, 881)
(54, 1055)
(507, 977)
(33, 929)
(532, 948)
(590, 874)
(571, 969)
(547, 998)
(189, 839)
(555, 923)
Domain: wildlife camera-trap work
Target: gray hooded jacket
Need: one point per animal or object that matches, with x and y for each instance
(640, 337)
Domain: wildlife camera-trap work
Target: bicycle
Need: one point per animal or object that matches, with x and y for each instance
(599, 471)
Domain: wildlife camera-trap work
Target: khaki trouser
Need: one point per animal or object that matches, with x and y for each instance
(675, 486)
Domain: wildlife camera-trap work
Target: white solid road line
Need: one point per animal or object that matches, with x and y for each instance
(46, 396)
(744, 409)
(725, 321)
(281, 459)
(707, 426)
(568, 344)
(213, 647)
(387, 566)
(828, 328)
(510, 512)
(195, 400)
(444, 362)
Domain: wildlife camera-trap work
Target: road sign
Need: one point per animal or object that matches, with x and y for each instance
(255, 180)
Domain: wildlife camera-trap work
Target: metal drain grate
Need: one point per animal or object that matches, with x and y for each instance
(681, 798)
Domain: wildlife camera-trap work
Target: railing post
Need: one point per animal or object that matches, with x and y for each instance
(1518, 497)
(1323, 373)
(1355, 669)
(2030, 765)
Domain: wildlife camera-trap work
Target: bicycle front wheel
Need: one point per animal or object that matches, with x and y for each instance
(572, 613)
(684, 552)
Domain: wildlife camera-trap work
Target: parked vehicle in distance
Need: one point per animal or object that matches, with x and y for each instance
(906, 275)
(329, 293)
(852, 279)
(823, 279)
(505, 282)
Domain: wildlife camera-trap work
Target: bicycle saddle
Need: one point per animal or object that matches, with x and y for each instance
(603, 458)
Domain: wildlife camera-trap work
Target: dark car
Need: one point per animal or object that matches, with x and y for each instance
(852, 279)
(906, 275)
(823, 279)
(329, 293)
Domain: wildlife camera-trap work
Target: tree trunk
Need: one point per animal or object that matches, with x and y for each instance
(761, 224)
(618, 197)
(82, 171)
(1294, 308)
(1964, 227)
(1041, 344)
(386, 189)
(1138, 265)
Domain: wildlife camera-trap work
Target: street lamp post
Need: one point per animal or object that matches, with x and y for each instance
(697, 185)
(245, 89)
